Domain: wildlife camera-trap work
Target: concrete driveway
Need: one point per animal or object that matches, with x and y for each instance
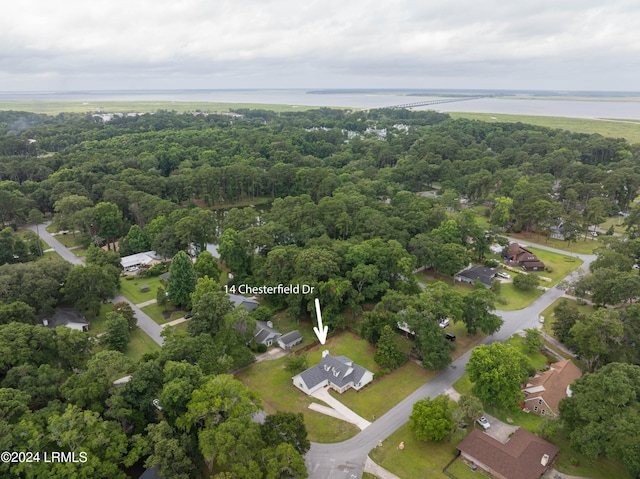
(499, 430)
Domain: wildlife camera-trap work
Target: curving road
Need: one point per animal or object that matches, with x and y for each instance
(148, 325)
(346, 459)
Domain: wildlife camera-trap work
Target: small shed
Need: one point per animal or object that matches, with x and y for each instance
(289, 340)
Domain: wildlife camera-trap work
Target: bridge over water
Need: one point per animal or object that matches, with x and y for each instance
(434, 102)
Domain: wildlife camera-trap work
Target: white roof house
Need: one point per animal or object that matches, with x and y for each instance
(140, 259)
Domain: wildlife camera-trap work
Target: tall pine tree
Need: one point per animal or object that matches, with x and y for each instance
(182, 279)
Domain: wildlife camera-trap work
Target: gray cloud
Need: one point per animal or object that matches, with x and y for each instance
(307, 43)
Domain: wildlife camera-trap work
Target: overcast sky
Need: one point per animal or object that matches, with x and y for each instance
(158, 44)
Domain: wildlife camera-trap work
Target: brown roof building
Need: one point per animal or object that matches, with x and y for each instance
(523, 257)
(523, 456)
(544, 391)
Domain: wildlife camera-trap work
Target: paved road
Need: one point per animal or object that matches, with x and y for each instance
(59, 248)
(347, 459)
(148, 325)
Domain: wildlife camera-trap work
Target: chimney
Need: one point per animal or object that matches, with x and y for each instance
(269, 324)
(325, 353)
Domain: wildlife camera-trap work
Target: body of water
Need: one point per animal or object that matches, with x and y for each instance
(622, 108)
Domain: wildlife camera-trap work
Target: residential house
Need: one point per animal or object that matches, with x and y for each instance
(544, 391)
(289, 340)
(238, 301)
(66, 317)
(265, 334)
(135, 261)
(481, 273)
(520, 256)
(337, 372)
(523, 456)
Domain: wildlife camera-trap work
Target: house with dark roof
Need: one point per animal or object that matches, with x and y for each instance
(523, 257)
(544, 391)
(66, 317)
(238, 301)
(289, 340)
(265, 334)
(337, 372)
(523, 456)
(481, 273)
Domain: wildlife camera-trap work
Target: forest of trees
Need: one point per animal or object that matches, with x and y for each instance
(339, 214)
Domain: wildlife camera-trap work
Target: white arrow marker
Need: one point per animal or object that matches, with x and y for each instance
(320, 331)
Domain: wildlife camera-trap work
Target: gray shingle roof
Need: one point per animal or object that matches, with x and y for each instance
(291, 337)
(338, 370)
(248, 303)
(263, 333)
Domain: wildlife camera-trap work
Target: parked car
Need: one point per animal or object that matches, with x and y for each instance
(504, 275)
(156, 403)
(450, 337)
(444, 323)
(483, 423)
(188, 315)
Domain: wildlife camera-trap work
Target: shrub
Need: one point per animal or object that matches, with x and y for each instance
(491, 263)
(548, 269)
(525, 282)
(261, 348)
(129, 278)
(157, 270)
(502, 300)
(296, 364)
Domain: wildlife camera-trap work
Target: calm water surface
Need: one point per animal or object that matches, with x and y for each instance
(529, 106)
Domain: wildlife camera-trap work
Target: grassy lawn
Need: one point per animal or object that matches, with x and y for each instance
(580, 247)
(616, 222)
(160, 316)
(140, 344)
(461, 470)
(97, 325)
(273, 383)
(561, 265)
(384, 393)
(131, 289)
(68, 240)
(284, 324)
(517, 299)
(427, 279)
(614, 129)
(51, 255)
(537, 359)
(418, 458)
(599, 468)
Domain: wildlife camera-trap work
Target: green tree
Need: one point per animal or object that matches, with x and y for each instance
(109, 221)
(182, 279)
(597, 337)
(388, 354)
(501, 213)
(469, 408)
(169, 452)
(210, 306)
(297, 363)
(432, 419)
(161, 298)
(533, 339)
(497, 371)
(117, 335)
(124, 309)
(207, 265)
(476, 312)
(136, 241)
(525, 282)
(600, 416)
(17, 312)
(288, 428)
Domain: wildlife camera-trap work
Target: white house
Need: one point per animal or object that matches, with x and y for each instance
(148, 258)
(339, 373)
